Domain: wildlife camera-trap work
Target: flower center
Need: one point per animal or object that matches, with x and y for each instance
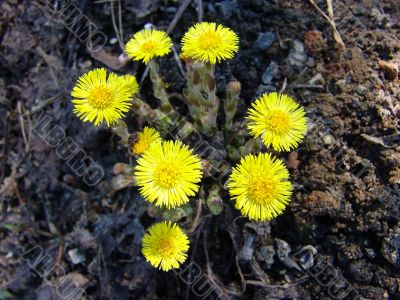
(167, 175)
(210, 40)
(262, 190)
(279, 122)
(165, 247)
(100, 97)
(149, 46)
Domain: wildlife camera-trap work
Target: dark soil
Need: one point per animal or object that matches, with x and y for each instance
(345, 210)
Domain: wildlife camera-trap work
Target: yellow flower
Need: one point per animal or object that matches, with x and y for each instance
(279, 120)
(165, 245)
(148, 137)
(260, 186)
(148, 44)
(209, 42)
(98, 98)
(168, 173)
(132, 83)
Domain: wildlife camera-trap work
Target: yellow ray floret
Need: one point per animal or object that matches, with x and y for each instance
(261, 187)
(209, 42)
(132, 83)
(148, 44)
(278, 120)
(147, 138)
(98, 98)
(165, 246)
(167, 173)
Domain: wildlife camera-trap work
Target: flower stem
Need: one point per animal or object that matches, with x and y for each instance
(201, 97)
(159, 87)
(230, 105)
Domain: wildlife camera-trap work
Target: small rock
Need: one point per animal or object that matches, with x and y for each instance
(265, 40)
(361, 89)
(227, 8)
(389, 68)
(270, 72)
(297, 56)
(113, 41)
(328, 139)
(391, 247)
(370, 253)
(68, 179)
(76, 257)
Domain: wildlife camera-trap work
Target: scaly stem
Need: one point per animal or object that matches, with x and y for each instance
(230, 105)
(171, 123)
(200, 96)
(159, 87)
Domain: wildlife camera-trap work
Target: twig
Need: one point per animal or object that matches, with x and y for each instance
(5, 149)
(121, 32)
(200, 10)
(284, 84)
(171, 28)
(221, 291)
(22, 124)
(178, 62)
(178, 15)
(42, 105)
(307, 86)
(116, 29)
(331, 22)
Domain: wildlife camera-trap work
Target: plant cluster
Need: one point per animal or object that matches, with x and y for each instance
(168, 172)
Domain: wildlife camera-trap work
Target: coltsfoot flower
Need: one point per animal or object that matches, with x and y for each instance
(209, 43)
(260, 186)
(147, 138)
(165, 246)
(278, 120)
(168, 173)
(132, 83)
(148, 44)
(98, 98)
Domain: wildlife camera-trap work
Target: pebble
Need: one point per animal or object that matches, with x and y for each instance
(297, 56)
(361, 89)
(391, 247)
(328, 139)
(390, 69)
(75, 256)
(227, 8)
(270, 73)
(265, 40)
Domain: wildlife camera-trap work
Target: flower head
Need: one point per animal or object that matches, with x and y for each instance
(148, 44)
(167, 173)
(279, 120)
(132, 83)
(165, 246)
(148, 137)
(209, 42)
(260, 186)
(98, 98)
